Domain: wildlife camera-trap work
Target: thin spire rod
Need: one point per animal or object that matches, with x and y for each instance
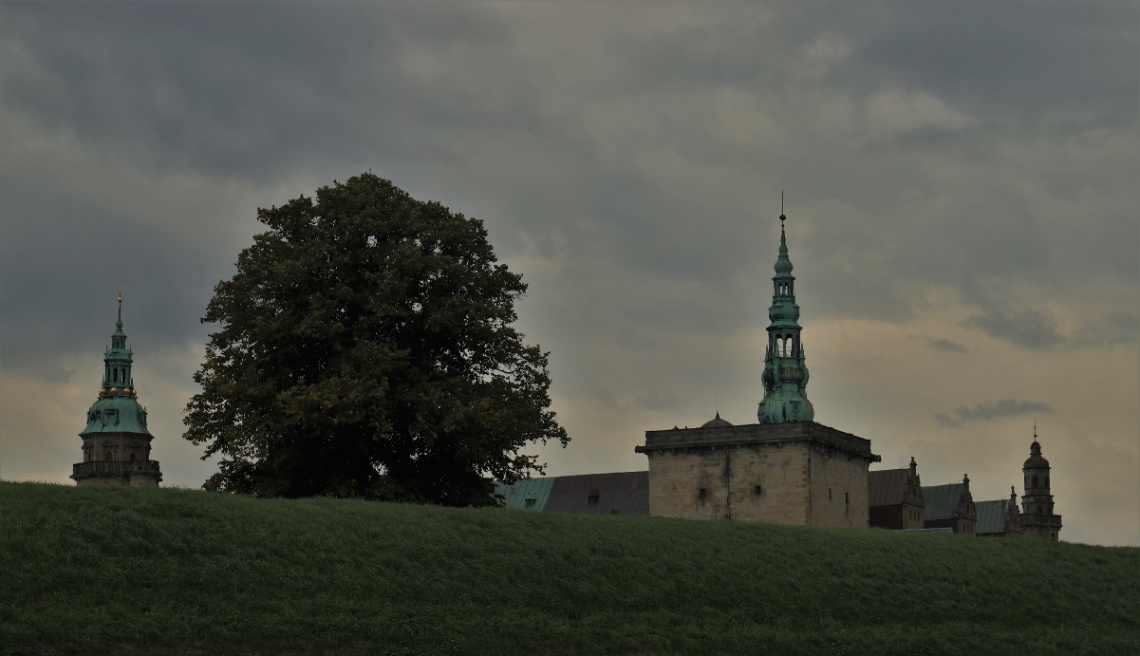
(782, 216)
(120, 304)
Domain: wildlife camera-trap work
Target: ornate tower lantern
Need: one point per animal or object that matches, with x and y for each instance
(785, 372)
(1037, 518)
(116, 442)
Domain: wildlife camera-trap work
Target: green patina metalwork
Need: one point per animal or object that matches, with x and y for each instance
(526, 494)
(785, 372)
(117, 410)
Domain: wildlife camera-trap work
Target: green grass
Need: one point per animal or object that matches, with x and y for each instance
(158, 571)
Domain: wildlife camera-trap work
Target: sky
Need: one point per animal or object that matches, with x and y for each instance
(960, 181)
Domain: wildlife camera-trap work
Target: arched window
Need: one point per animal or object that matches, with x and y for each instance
(132, 457)
(109, 457)
(1034, 481)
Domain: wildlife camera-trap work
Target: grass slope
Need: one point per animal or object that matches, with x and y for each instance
(156, 571)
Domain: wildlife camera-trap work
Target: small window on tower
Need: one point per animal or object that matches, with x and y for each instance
(829, 494)
(756, 490)
(592, 498)
(529, 503)
(702, 494)
(1034, 481)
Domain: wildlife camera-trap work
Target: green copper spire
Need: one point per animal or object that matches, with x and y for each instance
(117, 409)
(785, 373)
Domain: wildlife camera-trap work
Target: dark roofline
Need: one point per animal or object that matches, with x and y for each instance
(756, 434)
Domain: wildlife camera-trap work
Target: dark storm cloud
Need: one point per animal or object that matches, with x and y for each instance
(1026, 327)
(991, 57)
(70, 299)
(941, 344)
(230, 87)
(991, 410)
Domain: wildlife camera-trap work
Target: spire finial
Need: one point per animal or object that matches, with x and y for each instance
(119, 323)
(1035, 429)
(783, 217)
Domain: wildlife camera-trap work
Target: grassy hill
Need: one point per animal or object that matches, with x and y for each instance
(158, 571)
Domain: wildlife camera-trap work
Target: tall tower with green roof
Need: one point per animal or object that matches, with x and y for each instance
(785, 372)
(116, 442)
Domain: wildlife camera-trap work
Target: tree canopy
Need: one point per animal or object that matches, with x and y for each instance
(365, 348)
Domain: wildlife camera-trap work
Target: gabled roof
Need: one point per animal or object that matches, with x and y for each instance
(625, 493)
(992, 516)
(941, 501)
(886, 487)
(537, 490)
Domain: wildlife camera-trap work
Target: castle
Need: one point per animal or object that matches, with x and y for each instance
(116, 442)
(787, 468)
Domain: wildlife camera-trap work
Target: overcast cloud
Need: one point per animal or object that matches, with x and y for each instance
(960, 182)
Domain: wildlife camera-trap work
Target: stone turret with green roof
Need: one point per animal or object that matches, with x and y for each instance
(785, 372)
(116, 442)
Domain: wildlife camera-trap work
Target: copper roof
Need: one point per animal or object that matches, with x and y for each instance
(941, 501)
(885, 487)
(527, 494)
(625, 493)
(716, 422)
(992, 516)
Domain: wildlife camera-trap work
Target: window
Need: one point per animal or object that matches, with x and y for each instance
(593, 497)
(529, 503)
(1034, 481)
(108, 457)
(829, 494)
(756, 490)
(702, 494)
(132, 457)
(846, 498)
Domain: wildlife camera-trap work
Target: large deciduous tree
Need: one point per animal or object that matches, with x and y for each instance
(365, 349)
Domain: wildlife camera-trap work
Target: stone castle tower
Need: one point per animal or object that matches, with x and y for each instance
(116, 442)
(786, 469)
(1037, 518)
